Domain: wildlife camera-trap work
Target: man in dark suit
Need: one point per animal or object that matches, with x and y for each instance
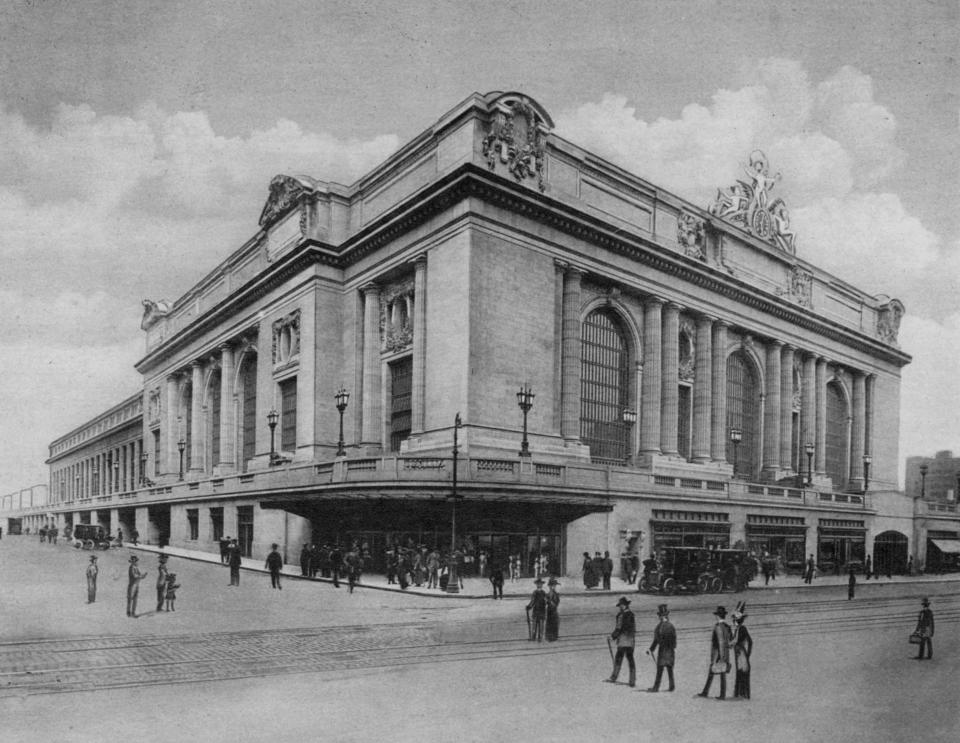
(925, 629)
(161, 581)
(537, 611)
(234, 561)
(664, 638)
(336, 565)
(133, 586)
(625, 635)
(274, 563)
(719, 654)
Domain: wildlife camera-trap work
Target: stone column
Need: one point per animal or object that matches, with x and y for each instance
(418, 385)
(652, 363)
(868, 423)
(372, 407)
(703, 391)
(786, 407)
(172, 428)
(820, 453)
(857, 430)
(570, 357)
(771, 411)
(196, 417)
(718, 435)
(808, 409)
(228, 411)
(669, 397)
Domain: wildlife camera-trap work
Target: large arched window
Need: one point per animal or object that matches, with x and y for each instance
(837, 441)
(247, 394)
(604, 387)
(213, 408)
(743, 412)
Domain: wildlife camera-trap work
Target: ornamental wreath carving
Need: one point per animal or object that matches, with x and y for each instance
(517, 138)
(799, 287)
(748, 203)
(690, 235)
(888, 321)
(285, 193)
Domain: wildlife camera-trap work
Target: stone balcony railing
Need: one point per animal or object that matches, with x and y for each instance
(434, 475)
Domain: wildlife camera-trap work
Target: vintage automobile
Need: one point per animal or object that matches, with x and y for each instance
(90, 537)
(697, 570)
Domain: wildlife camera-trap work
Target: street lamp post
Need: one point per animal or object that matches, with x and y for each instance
(629, 418)
(342, 397)
(116, 475)
(96, 478)
(923, 480)
(808, 448)
(181, 445)
(736, 436)
(272, 417)
(525, 401)
(453, 580)
(867, 459)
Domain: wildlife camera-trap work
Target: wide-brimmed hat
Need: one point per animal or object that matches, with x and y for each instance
(663, 610)
(925, 601)
(624, 601)
(553, 582)
(134, 558)
(538, 581)
(93, 558)
(720, 612)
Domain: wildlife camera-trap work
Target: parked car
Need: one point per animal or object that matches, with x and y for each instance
(697, 570)
(90, 537)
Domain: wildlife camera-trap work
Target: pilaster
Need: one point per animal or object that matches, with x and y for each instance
(650, 391)
(771, 411)
(570, 357)
(703, 391)
(786, 407)
(372, 414)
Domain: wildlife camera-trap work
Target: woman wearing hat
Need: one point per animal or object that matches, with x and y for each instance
(624, 634)
(552, 629)
(664, 638)
(92, 571)
(925, 629)
(742, 650)
(719, 654)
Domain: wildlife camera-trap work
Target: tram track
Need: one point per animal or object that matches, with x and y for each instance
(67, 665)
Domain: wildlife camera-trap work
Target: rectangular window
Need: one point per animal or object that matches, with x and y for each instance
(288, 414)
(684, 411)
(216, 524)
(401, 380)
(193, 521)
(215, 420)
(156, 453)
(245, 530)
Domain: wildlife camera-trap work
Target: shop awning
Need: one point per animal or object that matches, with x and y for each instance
(947, 546)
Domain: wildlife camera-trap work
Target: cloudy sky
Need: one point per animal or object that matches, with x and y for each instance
(137, 140)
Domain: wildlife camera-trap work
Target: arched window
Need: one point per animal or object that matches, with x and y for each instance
(685, 375)
(604, 387)
(743, 412)
(213, 406)
(247, 394)
(837, 441)
(186, 424)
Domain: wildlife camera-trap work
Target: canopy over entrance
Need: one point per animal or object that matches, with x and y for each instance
(947, 546)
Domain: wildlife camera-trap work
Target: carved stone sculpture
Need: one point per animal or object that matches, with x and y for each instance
(799, 287)
(888, 321)
(517, 138)
(285, 193)
(690, 235)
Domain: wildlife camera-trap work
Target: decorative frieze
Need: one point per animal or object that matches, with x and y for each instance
(517, 138)
(748, 204)
(690, 235)
(799, 287)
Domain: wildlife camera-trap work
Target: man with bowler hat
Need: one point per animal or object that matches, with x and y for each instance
(925, 629)
(134, 577)
(624, 634)
(537, 611)
(664, 638)
(719, 654)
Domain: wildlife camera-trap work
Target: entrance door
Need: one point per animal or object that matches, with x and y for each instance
(890, 553)
(245, 530)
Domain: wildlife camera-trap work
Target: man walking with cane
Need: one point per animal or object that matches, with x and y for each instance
(624, 634)
(664, 638)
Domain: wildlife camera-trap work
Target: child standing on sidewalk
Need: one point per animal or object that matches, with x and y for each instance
(171, 594)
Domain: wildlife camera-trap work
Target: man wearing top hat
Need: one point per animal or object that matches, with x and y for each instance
(742, 650)
(161, 580)
(537, 611)
(925, 629)
(665, 641)
(719, 654)
(92, 571)
(133, 586)
(624, 634)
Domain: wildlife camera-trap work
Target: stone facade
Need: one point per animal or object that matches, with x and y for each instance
(484, 255)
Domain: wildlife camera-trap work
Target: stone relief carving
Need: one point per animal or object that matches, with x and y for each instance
(748, 203)
(686, 368)
(285, 193)
(799, 287)
(690, 235)
(153, 405)
(888, 321)
(286, 338)
(152, 312)
(396, 316)
(517, 138)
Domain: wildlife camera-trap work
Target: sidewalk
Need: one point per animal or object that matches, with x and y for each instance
(478, 588)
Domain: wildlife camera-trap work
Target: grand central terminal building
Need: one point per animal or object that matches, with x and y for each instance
(620, 369)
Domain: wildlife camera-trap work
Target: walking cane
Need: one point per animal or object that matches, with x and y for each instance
(529, 631)
(610, 648)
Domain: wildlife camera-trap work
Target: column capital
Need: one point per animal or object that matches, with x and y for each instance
(574, 272)
(672, 305)
(775, 343)
(788, 347)
(420, 259)
(560, 265)
(196, 364)
(370, 290)
(224, 347)
(705, 319)
(652, 300)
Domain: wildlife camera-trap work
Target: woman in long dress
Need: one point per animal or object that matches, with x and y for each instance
(742, 650)
(590, 576)
(552, 629)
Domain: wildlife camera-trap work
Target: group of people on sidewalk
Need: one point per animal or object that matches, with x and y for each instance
(166, 585)
(724, 638)
(597, 570)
